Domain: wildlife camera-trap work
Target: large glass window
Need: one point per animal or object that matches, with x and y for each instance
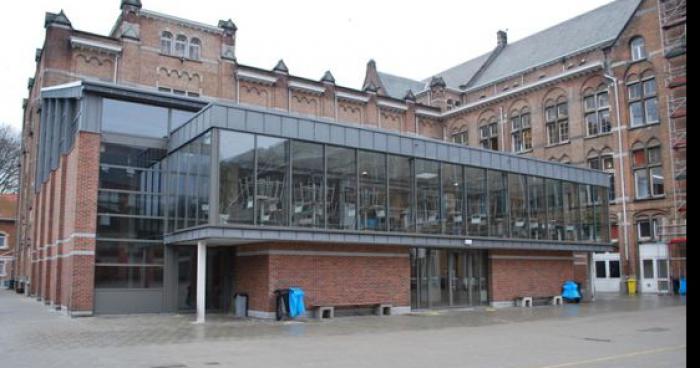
(643, 102)
(453, 199)
(571, 212)
(134, 118)
(521, 131)
(166, 43)
(181, 46)
(488, 132)
(307, 184)
(372, 167)
(597, 111)
(648, 172)
(556, 115)
(400, 193)
(477, 215)
(236, 177)
(341, 194)
(587, 212)
(555, 210)
(602, 219)
(428, 197)
(638, 48)
(538, 210)
(498, 207)
(517, 192)
(272, 181)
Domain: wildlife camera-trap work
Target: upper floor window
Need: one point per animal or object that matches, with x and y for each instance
(606, 163)
(597, 112)
(489, 134)
(461, 138)
(648, 228)
(643, 102)
(521, 130)
(181, 46)
(638, 49)
(648, 171)
(166, 43)
(3, 240)
(195, 48)
(556, 114)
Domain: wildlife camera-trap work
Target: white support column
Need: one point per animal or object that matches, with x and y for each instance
(201, 280)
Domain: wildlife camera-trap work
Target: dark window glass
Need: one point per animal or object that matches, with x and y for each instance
(122, 252)
(134, 156)
(131, 179)
(341, 179)
(517, 191)
(587, 213)
(428, 197)
(372, 167)
(477, 216)
(400, 194)
(453, 199)
(571, 212)
(600, 271)
(498, 209)
(272, 184)
(555, 208)
(538, 211)
(236, 188)
(614, 269)
(129, 227)
(129, 277)
(129, 203)
(307, 184)
(134, 118)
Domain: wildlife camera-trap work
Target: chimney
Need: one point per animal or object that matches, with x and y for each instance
(502, 38)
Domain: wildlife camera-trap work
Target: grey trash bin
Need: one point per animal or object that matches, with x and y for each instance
(240, 304)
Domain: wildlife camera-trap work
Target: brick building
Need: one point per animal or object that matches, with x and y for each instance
(8, 236)
(155, 167)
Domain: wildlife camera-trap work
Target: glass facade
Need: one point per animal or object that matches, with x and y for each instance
(272, 181)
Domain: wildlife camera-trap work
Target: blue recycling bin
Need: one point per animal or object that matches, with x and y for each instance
(296, 302)
(681, 288)
(570, 291)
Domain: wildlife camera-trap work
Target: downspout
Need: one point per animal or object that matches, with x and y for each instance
(622, 169)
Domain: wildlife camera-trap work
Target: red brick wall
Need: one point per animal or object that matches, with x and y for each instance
(528, 273)
(326, 279)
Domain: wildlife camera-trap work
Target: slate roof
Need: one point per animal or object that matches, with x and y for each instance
(595, 28)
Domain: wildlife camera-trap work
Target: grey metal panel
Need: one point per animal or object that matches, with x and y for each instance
(128, 301)
(273, 124)
(442, 152)
(418, 148)
(290, 128)
(235, 119)
(431, 150)
(337, 135)
(218, 116)
(254, 121)
(453, 154)
(393, 144)
(366, 139)
(352, 136)
(306, 129)
(380, 141)
(322, 132)
(406, 146)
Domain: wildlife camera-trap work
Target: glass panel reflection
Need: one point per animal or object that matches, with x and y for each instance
(400, 194)
(477, 219)
(236, 170)
(307, 184)
(272, 182)
(341, 180)
(372, 167)
(428, 197)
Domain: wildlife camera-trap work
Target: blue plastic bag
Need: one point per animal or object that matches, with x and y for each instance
(570, 291)
(296, 302)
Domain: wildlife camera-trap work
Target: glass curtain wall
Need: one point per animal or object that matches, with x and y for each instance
(272, 181)
(427, 197)
(341, 181)
(372, 167)
(307, 184)
(517, 193)
(477, 215)
(587, 213)
(236, 177)
(400, 194)
(452, 199)
(538, 209)
(190, 170)
(555, 209)
(498, 206)
(571, 211)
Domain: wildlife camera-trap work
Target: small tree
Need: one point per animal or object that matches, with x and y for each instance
(9, 159)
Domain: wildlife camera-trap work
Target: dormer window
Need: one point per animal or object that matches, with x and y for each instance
(181, 46)
(638, 49)
(195, 48)
(166, 43)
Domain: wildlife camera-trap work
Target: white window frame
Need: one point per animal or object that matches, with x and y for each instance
(522, 131)
(638, 48)
(558, 122)
(180, 42)
(195, 43)
(597, 111)
(461, 137)
(3, 268)
(163, 38)
(4, 237)
(643, 99)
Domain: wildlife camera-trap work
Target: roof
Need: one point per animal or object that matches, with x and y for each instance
(8, 205)
(397, 87)
(596, 28)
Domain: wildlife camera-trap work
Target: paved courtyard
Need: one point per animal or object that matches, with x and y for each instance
(614, 331)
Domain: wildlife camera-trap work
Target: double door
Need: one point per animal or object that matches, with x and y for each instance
(447, 278)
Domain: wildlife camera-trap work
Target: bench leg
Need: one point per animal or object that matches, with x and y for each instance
(383, 310)
(557, 300)
(324, 313)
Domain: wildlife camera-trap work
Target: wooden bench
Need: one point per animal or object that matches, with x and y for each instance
(528, 301)
(322, 312)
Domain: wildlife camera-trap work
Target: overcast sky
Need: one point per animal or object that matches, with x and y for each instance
(414, 39)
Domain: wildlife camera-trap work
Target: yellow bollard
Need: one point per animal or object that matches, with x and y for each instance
(631, 287)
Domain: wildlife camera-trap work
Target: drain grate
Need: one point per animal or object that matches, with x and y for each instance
(596, 339)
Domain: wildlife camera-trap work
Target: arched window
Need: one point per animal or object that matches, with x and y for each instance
(648, 170)
(520, 130)
(638, 49)
(461, 136)
(643, 103)
(180, 46)
(604, 161)
(166, 43)
(489, 134)
(556, 114)
(596, 111)
(195, 48)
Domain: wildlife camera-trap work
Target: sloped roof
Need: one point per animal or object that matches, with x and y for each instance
(396, 86)
(596, 27)
(592, 29)
(8, 205)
